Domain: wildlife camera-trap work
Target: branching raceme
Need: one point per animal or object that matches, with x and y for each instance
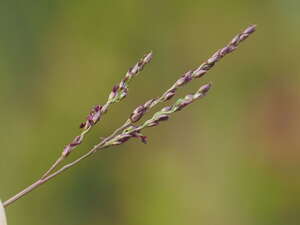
(130, 129)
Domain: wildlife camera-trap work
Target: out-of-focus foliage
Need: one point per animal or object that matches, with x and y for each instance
(232, 158)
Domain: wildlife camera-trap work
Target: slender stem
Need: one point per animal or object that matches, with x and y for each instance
(124, 126)
(45, 179)
(22, 193)
(57, 162)
(47, 176)
(62, 157)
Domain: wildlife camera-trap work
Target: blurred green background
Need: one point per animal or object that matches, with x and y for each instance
(232, 158)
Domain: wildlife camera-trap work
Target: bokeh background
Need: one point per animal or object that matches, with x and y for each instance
(232, 158)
